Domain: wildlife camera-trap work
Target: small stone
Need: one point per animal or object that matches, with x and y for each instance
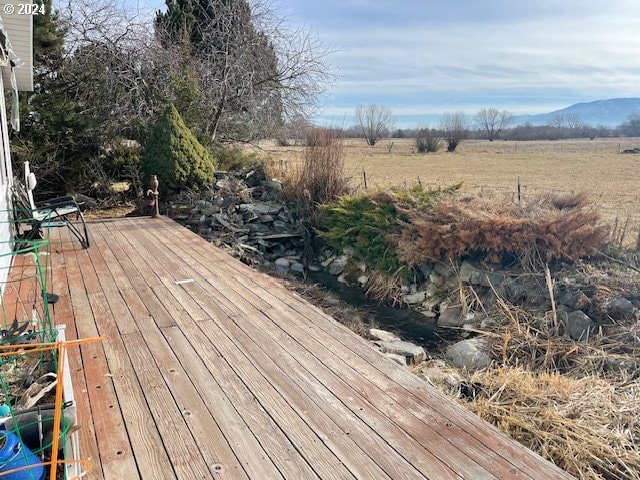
(328, 261)
(425, 269)
(450, 315)
(211, 210)
(337, 266)
(413, 353)
(273, 185)
(314, 268)
(282, 265)
(414, 298)
(342, 279)
(488, 322)
(383, 335)
(472, 275)
(363, 279)
(266, 218)
(575, 300)
(472, 354)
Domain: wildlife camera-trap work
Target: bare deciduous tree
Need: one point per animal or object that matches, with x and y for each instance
(454, 129)
(570, 120)
(374, 121)
(493, 121)
(251, 73)
(428, 140)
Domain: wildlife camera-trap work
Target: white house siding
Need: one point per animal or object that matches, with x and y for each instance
(6, 177)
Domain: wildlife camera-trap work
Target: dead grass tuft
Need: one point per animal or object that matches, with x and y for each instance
(322, 177)
(588, 426)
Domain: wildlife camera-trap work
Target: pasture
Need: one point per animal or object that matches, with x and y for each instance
(611, 180)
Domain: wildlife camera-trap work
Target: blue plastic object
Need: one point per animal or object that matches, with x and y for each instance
(5, 410)
(14, 454)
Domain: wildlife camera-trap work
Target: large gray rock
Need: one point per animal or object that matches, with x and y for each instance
(337, 266)
(472, 354)
(619, 308)
(579, 325)
(450, 315)
(413, 353)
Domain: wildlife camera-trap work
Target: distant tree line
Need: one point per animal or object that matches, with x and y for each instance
(375, 122)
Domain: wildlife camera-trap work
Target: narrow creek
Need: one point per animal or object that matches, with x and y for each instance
(408, 324)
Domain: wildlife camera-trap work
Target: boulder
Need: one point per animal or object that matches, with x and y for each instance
(413, 353)
(472, 354)
(619, 308)
(579, 326)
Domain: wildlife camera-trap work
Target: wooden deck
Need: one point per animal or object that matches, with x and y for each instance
(209, 369)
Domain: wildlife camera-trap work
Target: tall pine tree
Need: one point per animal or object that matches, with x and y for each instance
(57, 137)
(238, 78)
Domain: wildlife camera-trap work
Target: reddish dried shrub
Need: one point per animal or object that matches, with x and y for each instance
(548, 228)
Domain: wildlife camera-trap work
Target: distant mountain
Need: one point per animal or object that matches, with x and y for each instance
(610, 112)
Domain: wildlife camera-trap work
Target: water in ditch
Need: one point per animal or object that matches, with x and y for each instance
(408, 324)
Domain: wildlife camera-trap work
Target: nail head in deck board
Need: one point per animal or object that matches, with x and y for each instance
(247, 372)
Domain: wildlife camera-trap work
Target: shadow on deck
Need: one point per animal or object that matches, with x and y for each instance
(209, 369)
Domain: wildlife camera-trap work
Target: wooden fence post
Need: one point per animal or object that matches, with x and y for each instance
(519, 191)
(364, 176)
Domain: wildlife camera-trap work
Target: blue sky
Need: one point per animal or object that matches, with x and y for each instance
(425, 57)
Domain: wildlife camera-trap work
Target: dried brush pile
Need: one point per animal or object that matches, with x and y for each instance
(549, 228)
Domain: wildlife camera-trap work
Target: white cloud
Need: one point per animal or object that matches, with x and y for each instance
(578, 52)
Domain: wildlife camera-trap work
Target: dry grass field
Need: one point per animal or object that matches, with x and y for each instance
(595, 167)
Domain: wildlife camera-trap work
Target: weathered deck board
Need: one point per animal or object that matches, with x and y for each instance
(232, 376)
